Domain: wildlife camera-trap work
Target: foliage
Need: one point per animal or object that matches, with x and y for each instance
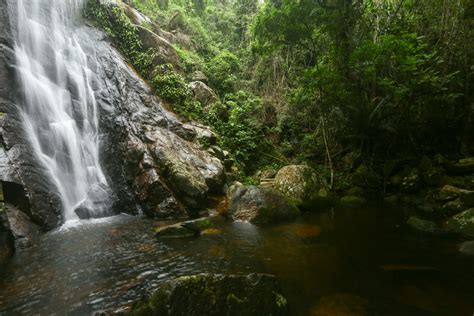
(303, 80)
(223, 70)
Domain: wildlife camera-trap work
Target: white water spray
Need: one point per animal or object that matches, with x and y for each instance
(59, 109)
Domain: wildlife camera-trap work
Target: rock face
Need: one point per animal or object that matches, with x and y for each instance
(154, 162)
(206, 294)
(303, 186)
(7, 247)
(259, 205)
(203, 93)
(462, 223)
(21, 176)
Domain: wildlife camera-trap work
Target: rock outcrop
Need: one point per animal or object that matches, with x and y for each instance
(154, 160)
(154, 163)
(21, 175)
(303, 186)
(259, 205)
(462, 223)
(207, 294)
(203, 93)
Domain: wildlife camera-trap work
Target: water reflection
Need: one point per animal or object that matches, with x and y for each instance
(362, 255)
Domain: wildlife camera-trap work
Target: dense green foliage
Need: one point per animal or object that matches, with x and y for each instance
(309, 80)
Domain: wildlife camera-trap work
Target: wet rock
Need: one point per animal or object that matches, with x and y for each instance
(303, 186)
(156, 163)
(423, 226)
(21, 174)
(184, 229)
(97, 203)
(455, 206)
(467, 248)
(352, 201)
(25, 232)
(462, 223)
(203, 93)
(450, 193)
(7, 243)
(260, 205)
(208, 294)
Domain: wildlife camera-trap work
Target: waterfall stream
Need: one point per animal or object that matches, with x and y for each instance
(58, 108)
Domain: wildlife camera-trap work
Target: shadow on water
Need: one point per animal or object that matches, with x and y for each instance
(338, 256)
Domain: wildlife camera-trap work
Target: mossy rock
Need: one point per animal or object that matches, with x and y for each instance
(423, 226)
(184, 229)
(352, 201)
(260, 205)
(303, 186)
(462, 223)
(208, 294)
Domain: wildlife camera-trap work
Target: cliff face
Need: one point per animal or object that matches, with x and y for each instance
(154, 162)
(21, 176)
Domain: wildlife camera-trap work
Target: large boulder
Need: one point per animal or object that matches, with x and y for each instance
(203, 93)
(462, 223)
(303, 186)
(164, 52)
(25, 232)
(207, 294)
(97, 203)
(259, 205)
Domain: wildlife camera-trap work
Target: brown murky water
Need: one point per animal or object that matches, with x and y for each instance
(325, 261)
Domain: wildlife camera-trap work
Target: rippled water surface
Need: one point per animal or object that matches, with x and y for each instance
(107, 264)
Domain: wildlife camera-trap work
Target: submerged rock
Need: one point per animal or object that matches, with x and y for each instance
(259, 205)
(462, 223)
(423, 226)
(303, 186)
(184, 229)
(208, 294)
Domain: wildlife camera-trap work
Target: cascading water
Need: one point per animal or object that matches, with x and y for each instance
(59, 110)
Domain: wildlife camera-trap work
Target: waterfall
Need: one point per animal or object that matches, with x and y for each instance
(58, 106)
